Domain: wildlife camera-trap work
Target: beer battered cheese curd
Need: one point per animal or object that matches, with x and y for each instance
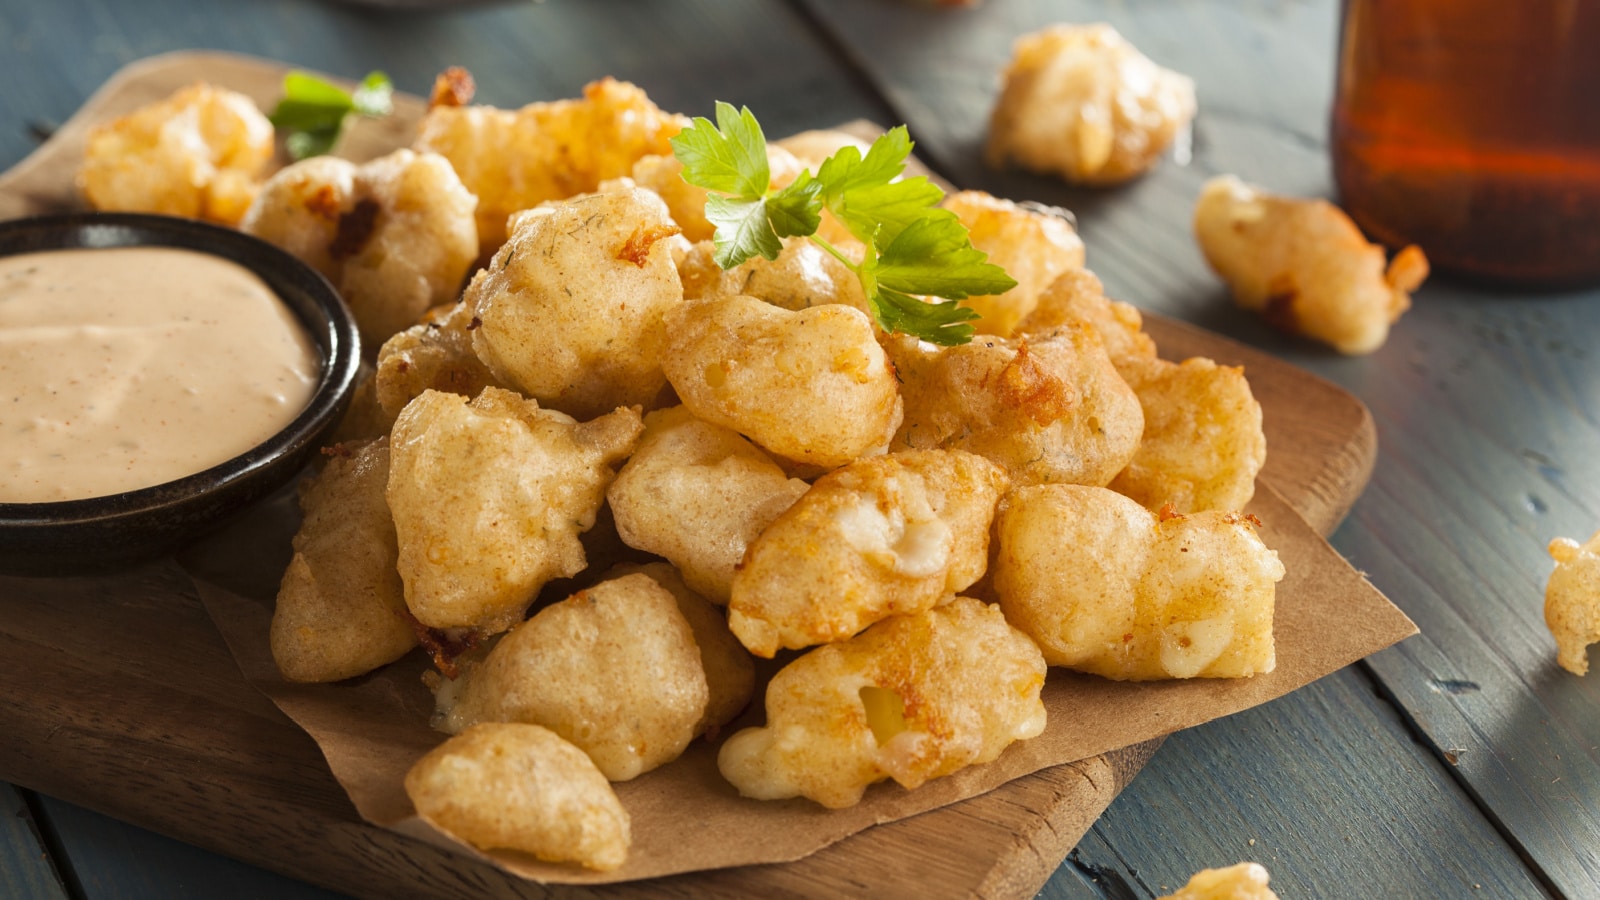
(129, 367)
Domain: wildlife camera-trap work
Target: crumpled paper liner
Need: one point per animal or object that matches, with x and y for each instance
(685, 816)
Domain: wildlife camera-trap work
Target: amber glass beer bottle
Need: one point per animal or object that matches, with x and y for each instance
(1472, 128)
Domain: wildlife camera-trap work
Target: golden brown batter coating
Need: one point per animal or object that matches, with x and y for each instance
(570, 310)
(517, 159)
(1034, 246)
(812, 386)
(1304, 265)
(435, 354)
(521, 787)
(881, 536)
(912, 698)
(394, 235)
(1081, 102)
(1049, 407)
(1572, 601)
(341, 609)
(614, 669)
(698, 494)
(1105, 586)
(489, 498)
(199, 153)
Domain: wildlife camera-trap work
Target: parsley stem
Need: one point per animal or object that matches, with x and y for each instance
(823, 243)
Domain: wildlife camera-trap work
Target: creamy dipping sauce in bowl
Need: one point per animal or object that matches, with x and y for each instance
(156, 376)
(129, 367)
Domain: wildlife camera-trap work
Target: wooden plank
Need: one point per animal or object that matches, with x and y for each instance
(1481, 682)
(184, 746)
(1295, 786)
(1486, 403)
(110, 860)
(26, 869)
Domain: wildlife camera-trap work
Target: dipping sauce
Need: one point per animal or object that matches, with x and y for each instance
(129, 367)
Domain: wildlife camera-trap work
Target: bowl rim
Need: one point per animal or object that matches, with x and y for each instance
(337, 341)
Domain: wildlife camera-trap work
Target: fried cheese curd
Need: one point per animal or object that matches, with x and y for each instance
(1203, 442)
(803, 275)
(1078, 296)
(570, 309)
(730, 672)
(1243, 881)
(517, 159)
(912, 698)
(1081, 102)
(435, 354)
(687, 202)
(394, 235)
(199, 153)
(1304, 265)
(615, 669)
(1572, 601)
(1049, 407)
(521, 787)
(886, 535)
(489, 498)
(1033, 243)
(1105, 586)
(341, 609)
(811, 386)
(698, 494)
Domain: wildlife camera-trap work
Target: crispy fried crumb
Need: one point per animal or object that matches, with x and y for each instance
(453, 87)
(1027, 386)
(1572, 601)
(636, 249)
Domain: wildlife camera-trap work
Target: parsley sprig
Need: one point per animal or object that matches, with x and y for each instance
(314, 111)
(912, 246)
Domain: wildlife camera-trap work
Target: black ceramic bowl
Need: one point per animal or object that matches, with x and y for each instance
(106, 533)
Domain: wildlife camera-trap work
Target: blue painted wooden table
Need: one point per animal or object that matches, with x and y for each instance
(1460, 763)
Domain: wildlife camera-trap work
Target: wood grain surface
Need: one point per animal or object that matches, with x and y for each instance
(1487, 402)
(1020, 831)
(25, 869)
(1487, 407)
(90, 848)
(177, 741)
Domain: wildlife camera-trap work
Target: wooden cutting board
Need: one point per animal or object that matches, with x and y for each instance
(123, 697)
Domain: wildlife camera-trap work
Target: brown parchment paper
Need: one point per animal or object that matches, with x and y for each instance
(685, 817)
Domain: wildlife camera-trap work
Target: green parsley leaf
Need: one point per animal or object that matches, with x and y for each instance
(937, 323)
(862, 193)
(911, 246)
(847, 171)
(304, 87)
(313, 112)
(885, 210)
(934, 255)
(729, 157)
(796, 211)
(743, 230)
(303, 144)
